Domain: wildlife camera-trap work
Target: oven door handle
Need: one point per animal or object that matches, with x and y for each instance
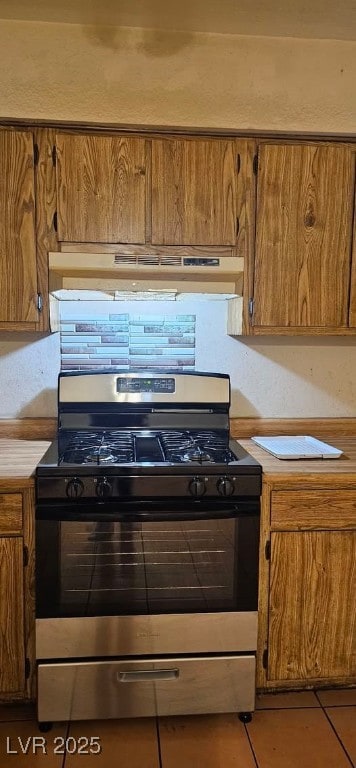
(147, 675)
(143, 512)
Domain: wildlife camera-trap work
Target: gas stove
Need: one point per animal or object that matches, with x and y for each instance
(147, 542)
(145, 436)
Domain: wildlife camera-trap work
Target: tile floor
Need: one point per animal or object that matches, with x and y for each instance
(288, 730)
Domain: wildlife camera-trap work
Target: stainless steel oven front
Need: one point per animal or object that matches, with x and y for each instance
(146, 609)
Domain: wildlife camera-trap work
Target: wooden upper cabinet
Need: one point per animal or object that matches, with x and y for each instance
(18, 269)
(305, 199)
(101, 188)
(194, 191)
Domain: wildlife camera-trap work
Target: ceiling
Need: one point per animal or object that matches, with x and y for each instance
(286, 18)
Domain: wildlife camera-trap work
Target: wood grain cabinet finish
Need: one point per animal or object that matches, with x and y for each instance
(11, 513)
(101, 188)
(194, 191)
(312, 606)
(307, 600)
(12, 633)
(17, 598)
(305, 203)
(327, 509)
(18, 267)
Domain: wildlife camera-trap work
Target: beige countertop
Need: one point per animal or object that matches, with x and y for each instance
(18, 461)
(345, 465)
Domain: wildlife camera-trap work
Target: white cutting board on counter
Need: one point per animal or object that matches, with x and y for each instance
(297, 447)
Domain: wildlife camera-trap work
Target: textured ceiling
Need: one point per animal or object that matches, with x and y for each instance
(286, 18)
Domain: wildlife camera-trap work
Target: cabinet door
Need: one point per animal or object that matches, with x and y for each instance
(12, 650)
(101, 188)
(352, 317)
(194, 192)
(18, 270)
(303, 236)
(312, 610)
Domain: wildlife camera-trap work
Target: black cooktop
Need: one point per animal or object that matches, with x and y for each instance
(111, 447)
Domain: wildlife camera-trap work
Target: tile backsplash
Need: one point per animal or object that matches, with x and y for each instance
(126, 341)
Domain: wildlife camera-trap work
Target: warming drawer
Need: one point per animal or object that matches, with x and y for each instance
(119, 689)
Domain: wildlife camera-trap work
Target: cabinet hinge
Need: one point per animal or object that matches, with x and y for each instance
(36, 154)
(265, 658)
(54, 156)
(25, 556)
(238, 163)
(39, 302)
(251, 304)
(27, 668)
(255, 164)
(237, 226)
(55, 221)
(268, 550)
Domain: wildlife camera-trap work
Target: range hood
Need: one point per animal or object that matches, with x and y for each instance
(119, 271)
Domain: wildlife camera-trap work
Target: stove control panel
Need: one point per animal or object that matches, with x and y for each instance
(78, 490)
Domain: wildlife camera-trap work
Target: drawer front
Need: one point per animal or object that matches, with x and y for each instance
(313, 509)
(176, 686)
(10, 513)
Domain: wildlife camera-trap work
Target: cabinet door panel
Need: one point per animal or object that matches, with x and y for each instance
(10, 512)
(312, 611)
(352, 317)
(101, 188)
(194, 192)
(303, 236)
(12, 653)
(18, 271)
(292, 510)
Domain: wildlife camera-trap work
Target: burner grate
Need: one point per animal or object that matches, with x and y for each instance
(112, 447)
(199, 447)
(127, 447)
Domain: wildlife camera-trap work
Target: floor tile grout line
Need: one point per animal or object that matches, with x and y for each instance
(338, 737)
(277, 709)
(158, 743)
(251, 746)
(65, 751)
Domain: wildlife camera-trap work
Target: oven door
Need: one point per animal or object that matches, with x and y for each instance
(146, 580)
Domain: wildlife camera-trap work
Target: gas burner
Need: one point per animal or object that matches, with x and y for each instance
(196, 454)
(101, 455)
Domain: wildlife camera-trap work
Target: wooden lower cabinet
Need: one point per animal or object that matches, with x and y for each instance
(16, 594)
(312, 616)
(307, 632)
(12, 636)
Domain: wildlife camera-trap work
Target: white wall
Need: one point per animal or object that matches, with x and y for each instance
(143, 76)
(271, 377)
(29, 366)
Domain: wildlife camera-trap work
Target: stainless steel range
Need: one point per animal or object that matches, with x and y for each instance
(147, 534)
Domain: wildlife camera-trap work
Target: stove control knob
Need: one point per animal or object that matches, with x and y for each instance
(225, 486)
(197, 486)
(103, 488)
(74, 488)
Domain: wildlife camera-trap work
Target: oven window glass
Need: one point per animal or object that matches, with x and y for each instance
(116, 568)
